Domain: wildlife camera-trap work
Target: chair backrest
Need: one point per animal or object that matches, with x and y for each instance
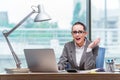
(100, 58)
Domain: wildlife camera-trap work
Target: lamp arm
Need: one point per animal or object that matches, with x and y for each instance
(17, 60)
(6, 34)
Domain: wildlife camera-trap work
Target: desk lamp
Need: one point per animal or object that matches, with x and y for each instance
(41, 16)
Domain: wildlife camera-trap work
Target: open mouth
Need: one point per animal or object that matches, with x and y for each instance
(77, 39)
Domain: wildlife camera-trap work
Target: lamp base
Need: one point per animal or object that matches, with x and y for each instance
(16, 70)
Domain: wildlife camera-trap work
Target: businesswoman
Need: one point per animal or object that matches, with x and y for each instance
(80, 53)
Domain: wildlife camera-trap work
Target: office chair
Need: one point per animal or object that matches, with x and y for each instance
(100, 58)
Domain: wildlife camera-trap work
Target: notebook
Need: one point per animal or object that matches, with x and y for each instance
(41, 60)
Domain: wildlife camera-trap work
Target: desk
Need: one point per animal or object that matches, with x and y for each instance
(61, 76)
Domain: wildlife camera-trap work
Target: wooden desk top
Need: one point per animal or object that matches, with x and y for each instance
(61, 76)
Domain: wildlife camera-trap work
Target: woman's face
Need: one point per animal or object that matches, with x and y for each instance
(79, 34)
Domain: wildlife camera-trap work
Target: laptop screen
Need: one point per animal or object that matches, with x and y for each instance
(41, 60)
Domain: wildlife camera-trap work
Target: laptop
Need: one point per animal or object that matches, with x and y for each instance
(41, 60)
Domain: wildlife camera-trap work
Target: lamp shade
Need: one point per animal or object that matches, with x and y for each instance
(42, 15)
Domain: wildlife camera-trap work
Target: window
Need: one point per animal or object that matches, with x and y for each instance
(50, 34)
(105, 24)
